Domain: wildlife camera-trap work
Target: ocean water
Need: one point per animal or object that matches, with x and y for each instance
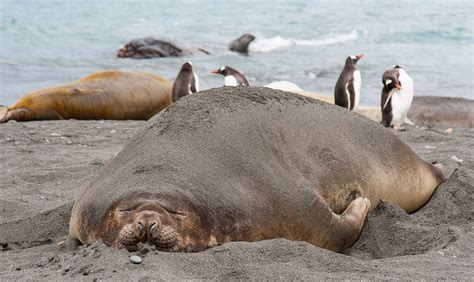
(45, 43)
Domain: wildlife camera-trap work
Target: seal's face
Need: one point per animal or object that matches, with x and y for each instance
(148, 222)
(248, 37)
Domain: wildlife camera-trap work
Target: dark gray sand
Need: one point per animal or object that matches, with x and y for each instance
(45, 164)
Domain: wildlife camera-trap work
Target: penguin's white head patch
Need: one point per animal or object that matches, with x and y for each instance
(353, 57)
(387, 82)
(222, 68)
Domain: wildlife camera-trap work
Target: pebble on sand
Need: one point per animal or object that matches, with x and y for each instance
(135, 259)
(456, 159)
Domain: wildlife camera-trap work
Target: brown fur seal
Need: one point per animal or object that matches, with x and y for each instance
(248, 164)
(241, 44)
(102, 95)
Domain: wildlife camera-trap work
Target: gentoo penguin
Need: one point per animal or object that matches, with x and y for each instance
(347, 90)
(186, 82)
(397, 94)
(232, 77)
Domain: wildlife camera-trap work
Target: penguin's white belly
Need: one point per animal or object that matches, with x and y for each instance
(230, 81)
(196, 82)
(401, 102)
(357, 85)
(401, 99)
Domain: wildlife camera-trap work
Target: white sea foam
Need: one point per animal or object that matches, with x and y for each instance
(264, 45)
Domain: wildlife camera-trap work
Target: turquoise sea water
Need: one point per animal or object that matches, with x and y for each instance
(45, 43)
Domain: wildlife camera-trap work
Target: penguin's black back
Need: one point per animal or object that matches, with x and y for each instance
(241, 80)
(340, 96)
(181, 85)
(387, 115)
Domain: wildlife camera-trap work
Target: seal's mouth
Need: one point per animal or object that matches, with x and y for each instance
(147, 227)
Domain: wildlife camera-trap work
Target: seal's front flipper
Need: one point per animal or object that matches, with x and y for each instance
(69, 245)
(352, 221)
(18, 115)
(24, 114)
(3, 113)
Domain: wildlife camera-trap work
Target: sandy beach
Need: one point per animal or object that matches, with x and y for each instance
(46, 163)
(419, 55)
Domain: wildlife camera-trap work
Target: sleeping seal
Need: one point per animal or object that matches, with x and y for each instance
(248, 164)
(102, 95)
(151, 47)
(442, 111)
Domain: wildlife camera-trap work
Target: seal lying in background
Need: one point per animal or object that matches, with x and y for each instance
(293, 88)
(150, 47)
(442, 111)
(248, 164)
(424, 110)
(101, 95)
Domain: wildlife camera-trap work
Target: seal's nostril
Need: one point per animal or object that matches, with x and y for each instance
(141, 227)
(152, 226)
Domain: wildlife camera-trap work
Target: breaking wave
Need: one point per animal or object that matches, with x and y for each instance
(264, 45)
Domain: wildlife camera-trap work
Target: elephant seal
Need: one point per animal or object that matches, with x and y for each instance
(248, 164)
(241, 44)
(293, 88)
(151, 47)
(102, 95)
(442, 111)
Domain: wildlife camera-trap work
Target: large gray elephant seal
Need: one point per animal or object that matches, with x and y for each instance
(248, 164)
(242, 43)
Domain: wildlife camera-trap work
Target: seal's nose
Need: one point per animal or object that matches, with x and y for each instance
(147, 224)
(141, 228)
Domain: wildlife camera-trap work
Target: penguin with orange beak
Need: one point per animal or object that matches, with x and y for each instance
(232, 77)
(397, 95)
(347, 90)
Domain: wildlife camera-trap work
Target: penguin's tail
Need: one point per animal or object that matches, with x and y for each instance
(3, 113)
